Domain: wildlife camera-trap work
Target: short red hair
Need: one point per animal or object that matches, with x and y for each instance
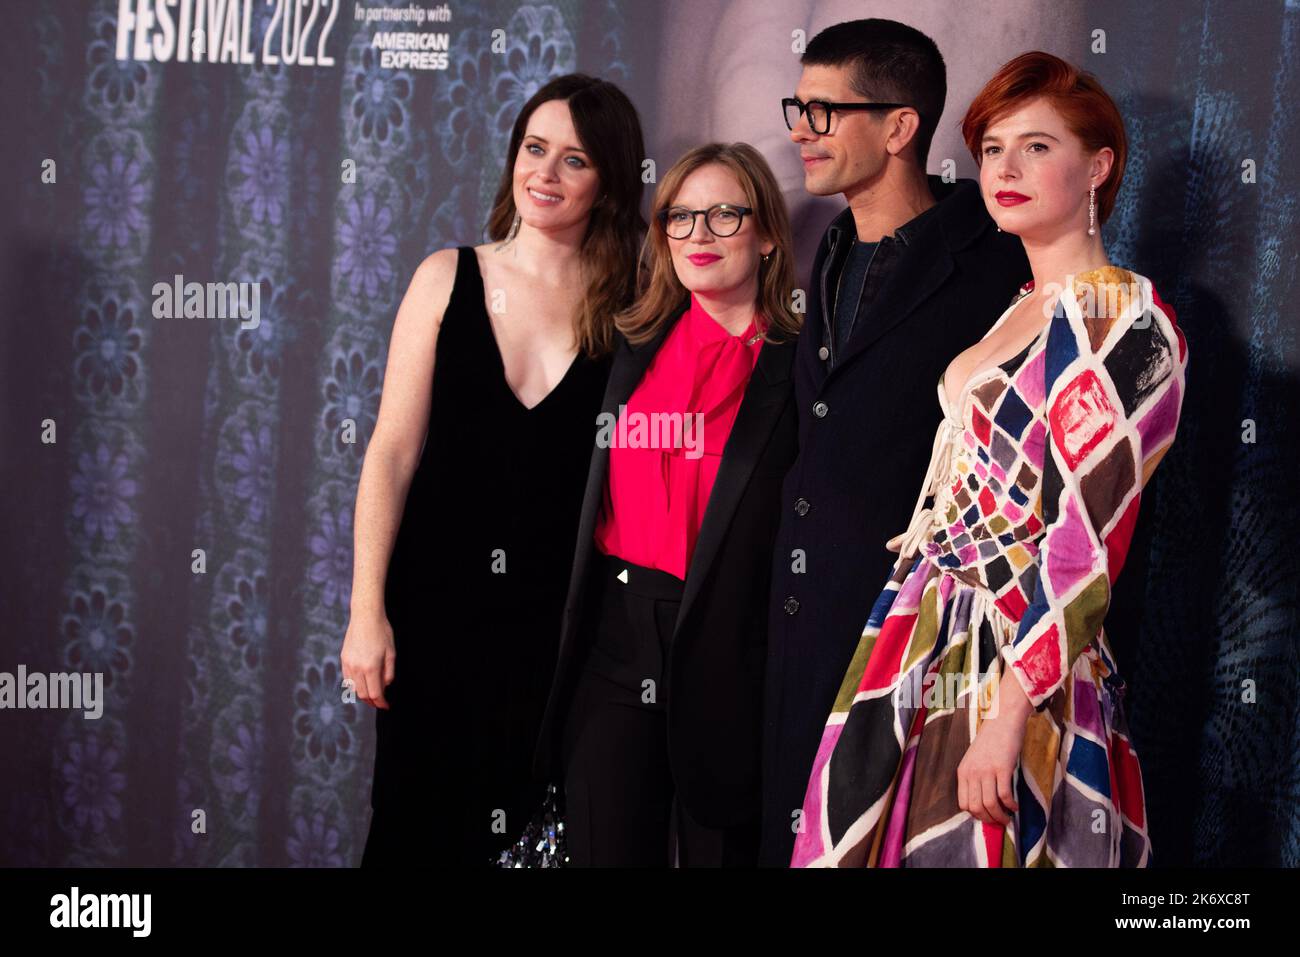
(1087, 109)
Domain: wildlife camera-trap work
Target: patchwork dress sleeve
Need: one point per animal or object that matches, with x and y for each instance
(1114, 376)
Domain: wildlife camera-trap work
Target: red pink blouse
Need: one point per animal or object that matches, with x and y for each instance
(669, 440)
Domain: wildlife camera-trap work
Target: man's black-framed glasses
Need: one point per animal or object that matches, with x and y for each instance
(723, 219)
(819, 111)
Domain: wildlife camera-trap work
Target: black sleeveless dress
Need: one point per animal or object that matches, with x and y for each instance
(475, 592)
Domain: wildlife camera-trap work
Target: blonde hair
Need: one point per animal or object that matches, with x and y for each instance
(663, 294)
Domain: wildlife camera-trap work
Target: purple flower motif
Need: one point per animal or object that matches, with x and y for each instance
(92, 783)
(107, 344)
(379, 97)
(244, 753)
(97, 635)
(115, 200)
(255, 464)
(466, 91)
(100, 490)
(352, 392)
(314, 844)
(541, 47)
(116, 81)
(264, 164)
(332, 548)
(322, 717)
(249, 609)
(450, 223)
(368, 245)
(261, 347)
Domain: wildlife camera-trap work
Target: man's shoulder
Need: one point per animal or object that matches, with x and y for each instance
(842, 220)
(954, 220)
(960, 223)
(994, 244)
(968, 227)
(996, 260)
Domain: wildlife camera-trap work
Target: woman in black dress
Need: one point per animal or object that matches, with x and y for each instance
(485, 463)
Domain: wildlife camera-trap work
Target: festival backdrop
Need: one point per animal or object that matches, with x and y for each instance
(178, 492)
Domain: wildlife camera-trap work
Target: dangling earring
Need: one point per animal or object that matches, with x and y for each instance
(514, 228)
(1092, 210)
(999, 229)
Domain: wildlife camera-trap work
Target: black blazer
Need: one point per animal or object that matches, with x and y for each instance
(714, 675)
(867, 418)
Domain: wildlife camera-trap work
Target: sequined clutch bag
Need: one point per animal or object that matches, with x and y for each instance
(542, 843)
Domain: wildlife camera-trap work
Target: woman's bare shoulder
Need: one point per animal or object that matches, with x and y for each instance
(438, 267)
(431, 286)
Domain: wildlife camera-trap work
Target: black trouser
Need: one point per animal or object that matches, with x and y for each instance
(621, 804)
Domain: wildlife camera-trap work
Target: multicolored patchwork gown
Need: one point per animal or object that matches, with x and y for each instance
(1036, 477)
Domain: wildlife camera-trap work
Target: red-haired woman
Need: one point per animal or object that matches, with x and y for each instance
(981, 721)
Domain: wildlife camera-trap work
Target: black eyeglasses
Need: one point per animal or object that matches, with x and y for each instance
(723, 219)
(819, 111)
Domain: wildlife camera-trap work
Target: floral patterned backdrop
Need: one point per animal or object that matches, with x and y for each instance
(172, 435)
(175, 434)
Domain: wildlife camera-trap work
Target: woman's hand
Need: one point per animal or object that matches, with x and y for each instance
(393, 453)
(369, 657)
(984, 776)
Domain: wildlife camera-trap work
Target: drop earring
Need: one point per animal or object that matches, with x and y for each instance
(510, 235)
(1092, 210)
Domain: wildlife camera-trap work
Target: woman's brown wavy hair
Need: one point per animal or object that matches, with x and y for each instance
(664, 296)
(610, 131)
